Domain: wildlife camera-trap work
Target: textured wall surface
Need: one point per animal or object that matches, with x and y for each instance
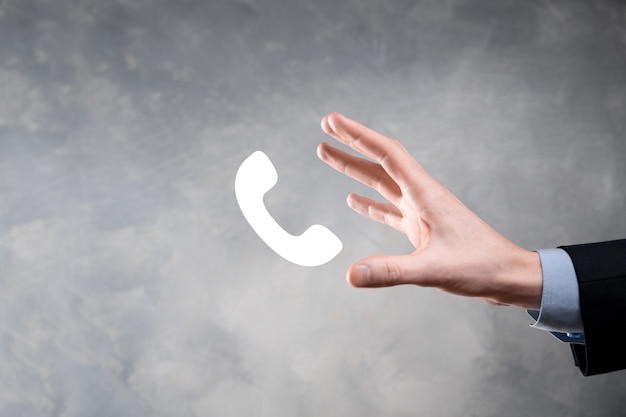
(131, 285)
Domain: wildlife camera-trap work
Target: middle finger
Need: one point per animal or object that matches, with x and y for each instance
(362, 170)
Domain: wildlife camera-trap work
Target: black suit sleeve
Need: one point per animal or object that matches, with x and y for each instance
(601, 273)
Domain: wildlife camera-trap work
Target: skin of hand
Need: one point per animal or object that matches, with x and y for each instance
(455, 251)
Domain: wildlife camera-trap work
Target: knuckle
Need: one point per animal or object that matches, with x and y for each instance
(396, 145)
(380, 184)
(393, 274)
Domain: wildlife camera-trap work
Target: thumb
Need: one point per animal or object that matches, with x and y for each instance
(383, 271)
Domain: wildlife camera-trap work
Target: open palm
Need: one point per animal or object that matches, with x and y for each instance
(455, 250)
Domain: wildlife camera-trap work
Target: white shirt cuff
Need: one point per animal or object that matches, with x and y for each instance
(560, 304)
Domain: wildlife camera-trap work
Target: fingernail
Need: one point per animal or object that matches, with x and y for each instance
(361, 276)
(326, 127)
(320, 151)
(337, 118)
(340, 117)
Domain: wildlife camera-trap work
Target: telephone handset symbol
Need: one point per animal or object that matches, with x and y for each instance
(256, 176)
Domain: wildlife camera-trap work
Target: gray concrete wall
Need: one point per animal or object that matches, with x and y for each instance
(131, 285)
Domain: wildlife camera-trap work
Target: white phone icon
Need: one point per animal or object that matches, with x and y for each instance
(256, 176)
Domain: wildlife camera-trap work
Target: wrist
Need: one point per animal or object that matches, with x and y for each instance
(522, 280)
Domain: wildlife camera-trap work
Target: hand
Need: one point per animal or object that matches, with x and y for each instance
(455, 251)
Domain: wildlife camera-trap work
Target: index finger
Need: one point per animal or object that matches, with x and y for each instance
(389, 153)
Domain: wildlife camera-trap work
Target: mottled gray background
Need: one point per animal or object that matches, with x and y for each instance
(131, 285)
